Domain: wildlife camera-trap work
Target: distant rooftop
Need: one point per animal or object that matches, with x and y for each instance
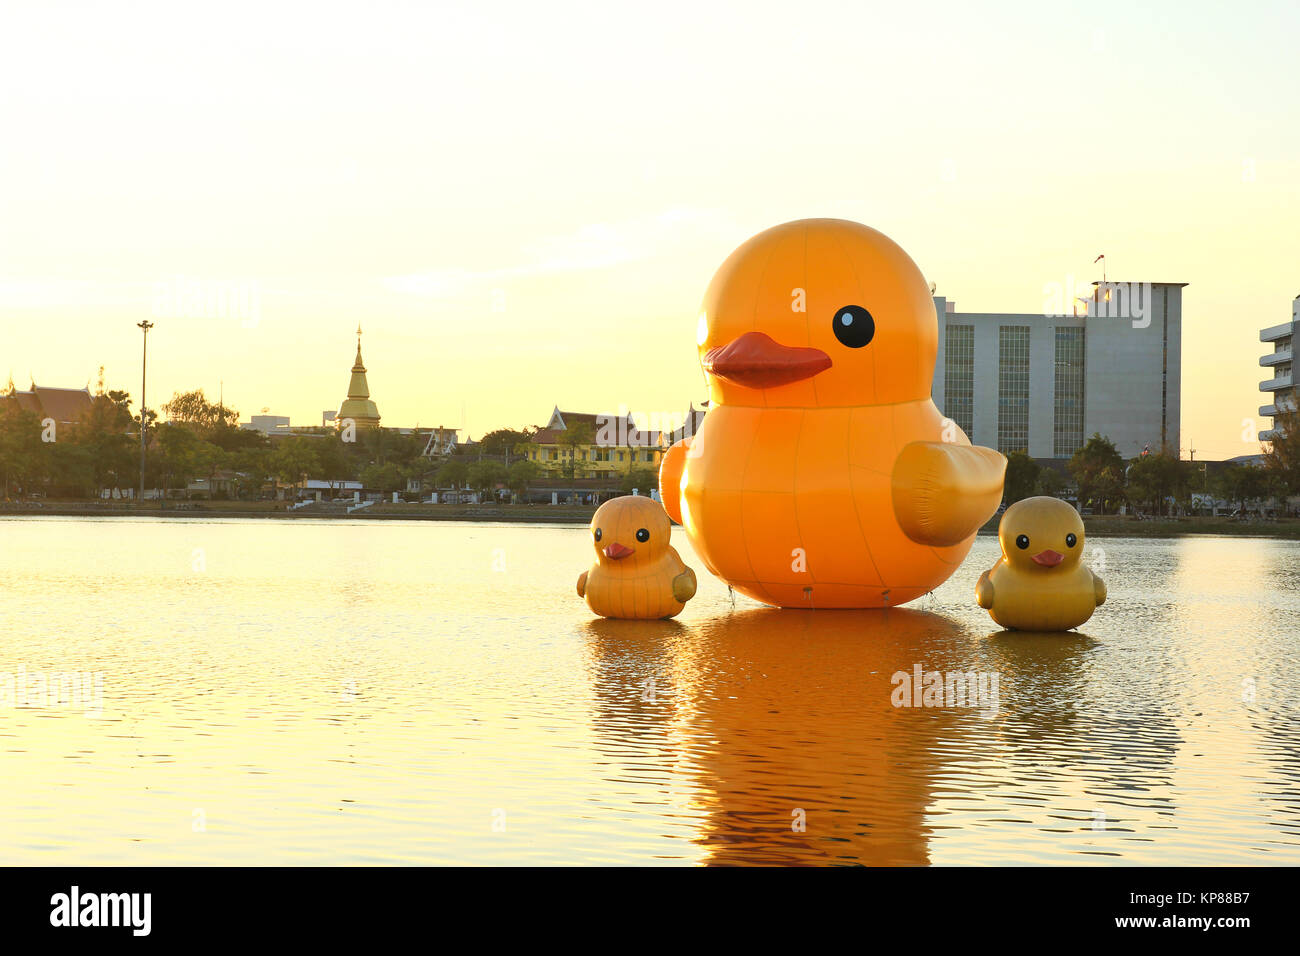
(64, 405)
(1143, 282)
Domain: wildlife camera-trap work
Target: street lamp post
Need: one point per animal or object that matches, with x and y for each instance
(145, 326)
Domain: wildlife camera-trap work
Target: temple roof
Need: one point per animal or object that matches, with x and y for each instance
(358, 406)
(626, 433)
(64, 405)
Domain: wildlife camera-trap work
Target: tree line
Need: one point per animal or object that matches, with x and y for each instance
(1160, 483)
(100, 455)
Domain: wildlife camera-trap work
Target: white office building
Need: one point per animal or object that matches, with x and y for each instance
(267, 424)
(1045, 383)
(1279, 363)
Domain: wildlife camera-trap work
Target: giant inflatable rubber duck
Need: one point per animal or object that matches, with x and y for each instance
(638, 573)
(1040, 584)
(823, 475)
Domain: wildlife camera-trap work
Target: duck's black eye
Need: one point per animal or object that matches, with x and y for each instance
(643, 535)
(1071, 540)
(597, 534)
(854, 326)
(1022, 542)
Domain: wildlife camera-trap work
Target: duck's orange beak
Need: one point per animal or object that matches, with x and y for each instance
(756, 361)
(616, 551)
(1049, 558)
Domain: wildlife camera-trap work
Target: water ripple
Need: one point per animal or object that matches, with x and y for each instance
(370, 693)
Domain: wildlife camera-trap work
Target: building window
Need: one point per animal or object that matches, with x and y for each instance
(959, 376)
(1013, 388)
(1164, 375)
(1067, 428)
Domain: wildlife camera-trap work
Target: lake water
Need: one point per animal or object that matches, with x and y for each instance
(419, 692)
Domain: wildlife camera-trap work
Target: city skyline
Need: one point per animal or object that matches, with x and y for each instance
(510, 246)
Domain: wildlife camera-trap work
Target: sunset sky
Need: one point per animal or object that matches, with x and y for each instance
(522, 203)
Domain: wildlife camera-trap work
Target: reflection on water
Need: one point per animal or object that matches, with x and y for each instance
(783, 724)
(798, 705)
(434, 693)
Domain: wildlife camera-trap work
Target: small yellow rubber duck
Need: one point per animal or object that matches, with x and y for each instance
(1040, 584)
(638, 573)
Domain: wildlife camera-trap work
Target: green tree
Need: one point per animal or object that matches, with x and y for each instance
(1239, 484)
(216, 424)
(113, 453)
(642, 479)
(453, 474)
(1049, 482)
(183, 455)
(255, 469)
(1142, 484)
(1257, 484)
(1098, 472)
(484, 476)
(1283, 452)
(71, 470)
(521, 474)
(193, 410)
(1153, 479)
(381, 445)
(22, 453)
(387, 478)
(294, 459)
(335, 461)
(503, 442)
(573, 438)
(232, 438)
(1021, 478)
(115, 462)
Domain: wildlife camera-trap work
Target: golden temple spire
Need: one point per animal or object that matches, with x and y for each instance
(358, 407)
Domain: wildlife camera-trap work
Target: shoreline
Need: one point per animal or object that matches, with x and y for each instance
(1109, 526)
(521, 514)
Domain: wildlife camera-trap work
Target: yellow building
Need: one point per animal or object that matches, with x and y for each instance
(594, 446)
(357, 406)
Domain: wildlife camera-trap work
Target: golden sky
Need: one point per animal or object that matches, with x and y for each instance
(523, 203)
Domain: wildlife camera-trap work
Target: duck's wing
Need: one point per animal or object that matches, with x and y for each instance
(943, 491)
(984, 590)
(1098, 589)
(684, 585)
(582, 584)
(670, 478)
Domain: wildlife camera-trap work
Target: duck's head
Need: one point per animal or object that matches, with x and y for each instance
(818, 313)
(1041, 534)
(629, 532)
